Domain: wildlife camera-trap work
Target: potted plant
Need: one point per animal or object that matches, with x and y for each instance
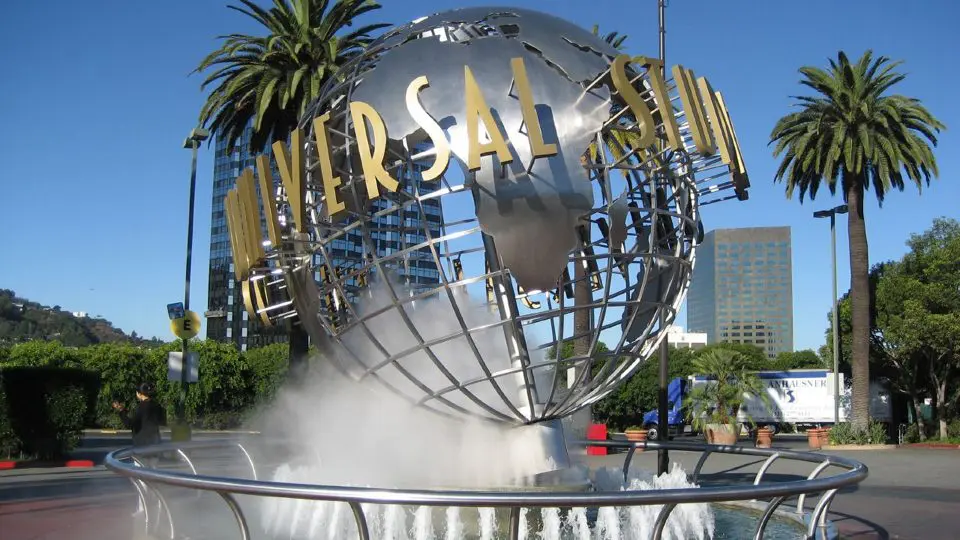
(815, 437)
(636, 434)
(764, 437)
(713, 407)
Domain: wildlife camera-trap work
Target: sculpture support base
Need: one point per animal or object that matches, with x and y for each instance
(550, 447)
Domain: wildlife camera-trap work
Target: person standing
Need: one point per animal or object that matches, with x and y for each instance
(144, 423)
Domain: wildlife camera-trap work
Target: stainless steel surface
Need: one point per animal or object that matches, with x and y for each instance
(768, 513)
(662, 519)
(763, 468)
(813, 474)
(237, 513)
(435, 342)
(853, 473)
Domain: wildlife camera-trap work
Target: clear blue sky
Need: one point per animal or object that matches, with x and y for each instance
(97, 98)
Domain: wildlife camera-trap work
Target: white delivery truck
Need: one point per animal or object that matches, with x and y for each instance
(804, 397)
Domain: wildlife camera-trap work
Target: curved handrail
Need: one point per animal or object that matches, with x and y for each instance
(855, 473)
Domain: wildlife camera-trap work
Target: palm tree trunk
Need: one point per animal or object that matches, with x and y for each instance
(860, 304)
(581, 318)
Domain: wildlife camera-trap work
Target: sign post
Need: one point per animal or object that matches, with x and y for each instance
(185, 327)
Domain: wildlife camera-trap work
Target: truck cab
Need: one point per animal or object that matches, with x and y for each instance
(676, 414)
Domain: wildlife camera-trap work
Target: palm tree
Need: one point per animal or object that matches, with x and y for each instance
(720, 401)
(854, 135)
(581, 293)
(268, 81)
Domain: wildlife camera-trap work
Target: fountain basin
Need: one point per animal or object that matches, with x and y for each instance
(360, 518)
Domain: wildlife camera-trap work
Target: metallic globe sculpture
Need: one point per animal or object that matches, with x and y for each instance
(480, 202)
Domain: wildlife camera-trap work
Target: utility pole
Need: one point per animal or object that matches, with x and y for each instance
(663, 459)
(192, 142)
(832, 214)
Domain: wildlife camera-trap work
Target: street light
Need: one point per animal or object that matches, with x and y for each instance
(832, 214)
(192, 142)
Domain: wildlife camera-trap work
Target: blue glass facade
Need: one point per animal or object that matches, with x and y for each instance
(742, 288)
(229, 320)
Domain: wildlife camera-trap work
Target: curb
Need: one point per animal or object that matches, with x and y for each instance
(167, 431)
(70, 463)
(860, 447)
(933, 446)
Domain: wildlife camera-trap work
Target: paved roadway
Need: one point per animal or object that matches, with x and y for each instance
(910, 494)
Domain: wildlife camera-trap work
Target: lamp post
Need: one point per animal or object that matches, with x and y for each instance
(197, 135)
(663, 459)
(832, 214)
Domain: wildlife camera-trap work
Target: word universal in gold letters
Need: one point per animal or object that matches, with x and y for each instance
(702, 111)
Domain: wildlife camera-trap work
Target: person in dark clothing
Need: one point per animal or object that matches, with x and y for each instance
(146, 420)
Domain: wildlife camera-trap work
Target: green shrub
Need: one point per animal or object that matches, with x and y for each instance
(48, 407)
(953, 429)
(9, 442)
(841, 433)
(220, 420)
(845, 433)
(878, 433)
(66, 412)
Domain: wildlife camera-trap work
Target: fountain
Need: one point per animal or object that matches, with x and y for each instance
(459, 312)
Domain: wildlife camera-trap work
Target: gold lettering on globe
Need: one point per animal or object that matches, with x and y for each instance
(703, 108)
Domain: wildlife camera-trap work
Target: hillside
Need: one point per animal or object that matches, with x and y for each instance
(23, 320)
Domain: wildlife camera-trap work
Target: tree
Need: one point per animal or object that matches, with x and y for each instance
(855, 136)
(805, 359)
(930, 321)
(582, 295)
(269, 80)
(752, 356)
(901, 351)
(731, 377)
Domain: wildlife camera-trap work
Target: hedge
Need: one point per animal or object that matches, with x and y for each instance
(44, 409)
(231, 383)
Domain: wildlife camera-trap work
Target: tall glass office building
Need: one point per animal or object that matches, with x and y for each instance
(227, 320)
(742, 288)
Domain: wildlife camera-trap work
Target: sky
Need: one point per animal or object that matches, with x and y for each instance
(97, 97)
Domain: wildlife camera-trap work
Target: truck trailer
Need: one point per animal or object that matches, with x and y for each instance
(802, 397)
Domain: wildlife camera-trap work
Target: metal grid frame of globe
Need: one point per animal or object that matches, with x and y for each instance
(636, 248)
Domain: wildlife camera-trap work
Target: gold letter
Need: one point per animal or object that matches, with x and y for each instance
(636, 103)
(250, 216)
(693, 109)
(330, 182)
(530, 118)
(653, 66)
(237, 242)
(290, 166)
(373, 171)
(260, 294)
(266, 198)
(477, 108)
(429, 125)
(728, 123)
(720, 132)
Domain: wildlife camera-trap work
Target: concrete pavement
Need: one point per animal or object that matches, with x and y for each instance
(910, 494)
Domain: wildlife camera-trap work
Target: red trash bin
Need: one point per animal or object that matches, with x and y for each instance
(597, 432)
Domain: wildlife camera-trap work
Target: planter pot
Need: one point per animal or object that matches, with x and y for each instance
(721, 434)
(764, 437)
(815, 437)
(637, 436)
(824, 437)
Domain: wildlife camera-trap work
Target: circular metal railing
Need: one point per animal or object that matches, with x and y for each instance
(131, 463)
